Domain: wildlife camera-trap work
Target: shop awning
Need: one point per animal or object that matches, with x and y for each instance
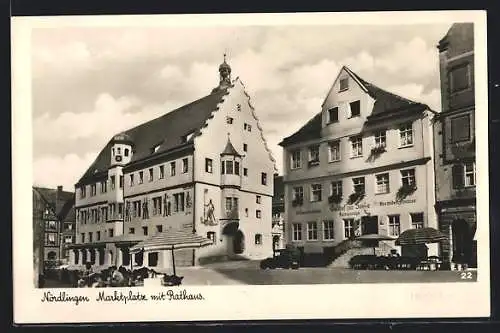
(421, 236)
(171, 239)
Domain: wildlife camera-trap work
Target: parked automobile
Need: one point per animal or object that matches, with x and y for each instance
(282, 258)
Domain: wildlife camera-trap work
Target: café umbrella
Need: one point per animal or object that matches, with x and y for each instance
(420, 236)
(375, 238)
(171, 239)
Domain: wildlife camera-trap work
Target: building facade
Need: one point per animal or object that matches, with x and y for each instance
(454, 131)
(278, 224)
(53, 225)
(363, 165)
(204, 167)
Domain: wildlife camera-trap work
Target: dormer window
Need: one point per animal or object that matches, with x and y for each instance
(344, 84)
(187, 137)
(155, 149)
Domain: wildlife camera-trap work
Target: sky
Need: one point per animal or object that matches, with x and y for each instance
(89, 83)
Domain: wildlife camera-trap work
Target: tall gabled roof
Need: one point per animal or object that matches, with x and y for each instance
(386, 104)
(62, 203)
(167, 132)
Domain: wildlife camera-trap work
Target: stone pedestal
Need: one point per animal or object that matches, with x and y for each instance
(72, 257)
(119, 257)
(97, 257)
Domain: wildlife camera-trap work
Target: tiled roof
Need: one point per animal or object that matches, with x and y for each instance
(229, 149)
(63, 204)
(166, 131)
(386, 104)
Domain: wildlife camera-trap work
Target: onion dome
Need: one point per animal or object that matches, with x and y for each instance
(123, 138)
(224, 66)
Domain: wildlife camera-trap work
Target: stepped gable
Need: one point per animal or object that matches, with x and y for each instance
(167, 131)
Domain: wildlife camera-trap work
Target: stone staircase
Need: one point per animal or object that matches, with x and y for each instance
(343, 260)
(355, 248)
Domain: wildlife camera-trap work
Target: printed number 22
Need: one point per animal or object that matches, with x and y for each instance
(466, 275)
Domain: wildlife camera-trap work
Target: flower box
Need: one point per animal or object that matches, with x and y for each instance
(335, 198)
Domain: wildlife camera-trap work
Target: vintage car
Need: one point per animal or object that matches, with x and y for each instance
(282, 258)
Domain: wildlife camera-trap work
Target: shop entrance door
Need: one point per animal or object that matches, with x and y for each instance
(369, 225)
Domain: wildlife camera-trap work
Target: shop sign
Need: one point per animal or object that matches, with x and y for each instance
(393, 202)
(308, 212)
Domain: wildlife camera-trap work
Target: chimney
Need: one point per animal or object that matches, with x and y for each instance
(59, 189)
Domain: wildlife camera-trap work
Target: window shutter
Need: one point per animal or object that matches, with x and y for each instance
(458, 176)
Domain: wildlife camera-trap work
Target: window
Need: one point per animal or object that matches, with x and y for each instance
(314, 155)
(236, 168)
(315, 192)
(179, 202)
(113, 151)
(187, 137)
(356, 146)
(312, 231)
(328, 230)
(258, 199)
(68, 226)
(334, 151)
(380, 139)
(408, 177)
(126, 151)
(394, 225)
(245, 172)
(119, 151)
(459, 78)
(348, 228)
(159, 228)
(258, 239)
(131, 231)
(406, 135)
(417, 220)
(136, 208)
(382, 183)
(104, 186)
(208, 165)
(229, 167)
(82, 236)
(231, 203)
(145, 231)
(246, 212)
(141, 177)
(162, 172)
(297, 231)
(90, 237)
(229, 120)
(153, 259)
(185, 165)
(343, 84)
(359, 184)
(470, 174)
(110, 232)
(263, 178)
(245, 147)
(155, 149)
(151, 174)
(113, 182)
(296, 160)
(460, 128)
(298, 193)
(51, 225)
(249, 127)
(132, 180)
(355, 108)
(93, 190)
(98, 235)
(157, 206)
(333, 115)
(83, 191)
(172, 168)
(211, 236)
(238, 107)
(258, 214)
(336, 188)
(245, 126)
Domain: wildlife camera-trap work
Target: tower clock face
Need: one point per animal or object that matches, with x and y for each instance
(118, 158)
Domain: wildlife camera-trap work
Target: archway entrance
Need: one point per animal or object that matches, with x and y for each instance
(462, 242)
(238, 242)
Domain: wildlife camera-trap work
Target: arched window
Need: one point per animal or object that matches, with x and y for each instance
(113, 151)
(126, 151)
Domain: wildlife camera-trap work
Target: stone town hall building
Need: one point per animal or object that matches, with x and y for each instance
(204, 167)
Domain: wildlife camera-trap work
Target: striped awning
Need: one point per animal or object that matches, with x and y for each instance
(421, 236)
(171, 239)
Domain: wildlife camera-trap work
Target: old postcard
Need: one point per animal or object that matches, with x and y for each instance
(250, 166)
